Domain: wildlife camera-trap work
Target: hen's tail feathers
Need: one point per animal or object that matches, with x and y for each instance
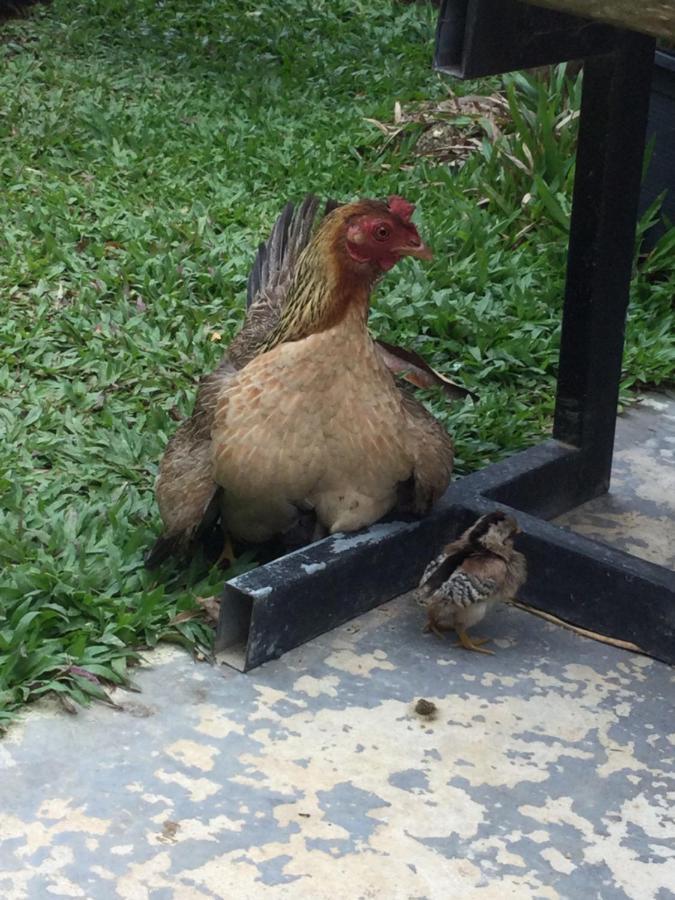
(277, 256)
(182, 543)
(331, 205)
(163, 548)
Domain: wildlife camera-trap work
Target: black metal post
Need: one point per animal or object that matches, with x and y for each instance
(602, 234)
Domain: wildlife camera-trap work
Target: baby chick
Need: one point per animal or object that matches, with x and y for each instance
(470, 575)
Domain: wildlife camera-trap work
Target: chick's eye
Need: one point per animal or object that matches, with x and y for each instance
(381, 232)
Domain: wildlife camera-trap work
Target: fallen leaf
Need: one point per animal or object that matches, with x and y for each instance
(452, 128)
(211, 607)
(185, 616)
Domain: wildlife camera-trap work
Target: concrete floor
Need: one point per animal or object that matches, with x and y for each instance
(638, 514)
(547, 771)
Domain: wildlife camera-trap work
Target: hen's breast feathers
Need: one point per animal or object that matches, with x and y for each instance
(316, 421)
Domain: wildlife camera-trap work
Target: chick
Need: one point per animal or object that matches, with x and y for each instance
(470, 575)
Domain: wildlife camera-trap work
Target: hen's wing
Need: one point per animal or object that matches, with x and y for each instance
(433, 454)
(417, 371)
(186, 492)
(441, 568)
(478, 579)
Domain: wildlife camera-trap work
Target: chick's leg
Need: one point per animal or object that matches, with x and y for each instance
(434, 629)
(474, 644)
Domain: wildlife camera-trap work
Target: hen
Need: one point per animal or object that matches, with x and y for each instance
(302, 414)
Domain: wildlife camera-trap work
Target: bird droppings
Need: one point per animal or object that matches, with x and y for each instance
(169, 831)
(426, 708)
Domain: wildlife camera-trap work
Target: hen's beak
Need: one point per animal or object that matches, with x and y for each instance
(416, 248)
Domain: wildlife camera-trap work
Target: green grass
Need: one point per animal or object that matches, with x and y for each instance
(145, 149)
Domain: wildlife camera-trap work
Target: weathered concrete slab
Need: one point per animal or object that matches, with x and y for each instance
(638, 513)
(545, 774)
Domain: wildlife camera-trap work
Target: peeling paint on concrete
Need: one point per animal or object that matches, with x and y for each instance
(193, 754)
(545, 773)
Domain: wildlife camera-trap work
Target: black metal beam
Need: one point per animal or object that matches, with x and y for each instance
(600, 259)
(276, 607)
(485, 37)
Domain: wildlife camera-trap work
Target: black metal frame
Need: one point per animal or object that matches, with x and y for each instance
(278, 606)
(488, 37)
(660, 175)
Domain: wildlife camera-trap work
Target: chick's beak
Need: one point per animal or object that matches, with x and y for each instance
(417, 248)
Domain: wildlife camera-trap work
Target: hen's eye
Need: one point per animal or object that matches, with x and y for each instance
(381, 232)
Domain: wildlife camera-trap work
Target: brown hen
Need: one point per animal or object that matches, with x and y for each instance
(303, 413)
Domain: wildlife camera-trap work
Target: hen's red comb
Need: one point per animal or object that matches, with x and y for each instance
(400, 207)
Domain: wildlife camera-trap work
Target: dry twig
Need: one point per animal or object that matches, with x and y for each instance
(577, 629)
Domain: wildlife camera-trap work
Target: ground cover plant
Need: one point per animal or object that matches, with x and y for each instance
(146, 149)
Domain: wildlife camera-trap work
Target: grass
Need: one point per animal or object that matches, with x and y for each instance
(146, 149)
